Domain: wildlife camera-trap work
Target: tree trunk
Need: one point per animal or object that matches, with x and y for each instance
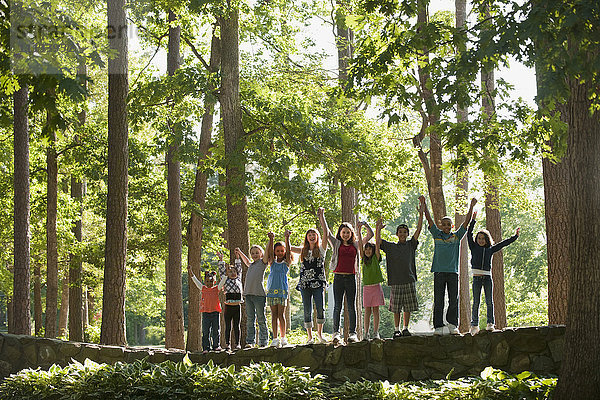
(432, 165)
(195, 227)
(579, 377)
(37, 299)
(21, 314)
(174, 335)
(113, 298)
(237, 210)
(63, 315)
(75, 259)
(51, 239)
(462, 198)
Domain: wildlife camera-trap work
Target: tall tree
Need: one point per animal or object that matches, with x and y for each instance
(174, 336)
(461, 191)
(196, 224)
(37, 299)
(63, 314)
(51, 238)
(113, 299)
(21, 316)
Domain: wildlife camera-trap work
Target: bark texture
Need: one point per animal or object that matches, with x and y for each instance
(174, 336)
(21, 314)
(51, 239)
(195, 227)
(579, 376)
(113, 299)
(63, 314)
(37, 300)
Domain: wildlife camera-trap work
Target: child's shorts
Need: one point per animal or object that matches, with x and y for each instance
(403, 298)
(373, 295)
(277, 301)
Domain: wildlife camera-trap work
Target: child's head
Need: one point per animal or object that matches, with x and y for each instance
(256, 252)
(446, 224)
(209, 278)
(312, 239)
(402, 232)
(369, 250)
(346, 233)
(231, 272)
(484, 238)
(279, 251)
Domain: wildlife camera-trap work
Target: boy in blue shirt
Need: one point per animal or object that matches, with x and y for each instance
(445, 268)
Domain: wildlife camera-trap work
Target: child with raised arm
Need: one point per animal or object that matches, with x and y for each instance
(277, 286)
(344, 263)
(210, 307)
(371, 280)
(312, 281)
(401, 271)
(482, 252)
(231, 283)
(445, 268)
(255, 296)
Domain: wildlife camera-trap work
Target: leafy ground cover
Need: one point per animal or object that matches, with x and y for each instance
(185, 380)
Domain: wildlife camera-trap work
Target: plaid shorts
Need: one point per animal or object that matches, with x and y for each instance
(403, 298)
(274, 301)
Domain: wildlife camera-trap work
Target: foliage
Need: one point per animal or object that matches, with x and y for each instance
(185, 380)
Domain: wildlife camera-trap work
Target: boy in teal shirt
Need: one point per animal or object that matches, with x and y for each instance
(445, 268)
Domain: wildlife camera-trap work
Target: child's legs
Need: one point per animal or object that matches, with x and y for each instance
(376, 319)
(237, 311)
(263, 332)
(368, 311)
(215, 329)
(250, 319)
(439, 292)
(452, 285)
(396, 320)
(274, 319)
(318, 297)
(205, 331)
(350, 289)
(406, 318)
(228, 319)
(489, 298)
(338, 298)
(307, 304)
(476, 288)
(282, 322)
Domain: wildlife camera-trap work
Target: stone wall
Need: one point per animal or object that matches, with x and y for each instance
(537, 349)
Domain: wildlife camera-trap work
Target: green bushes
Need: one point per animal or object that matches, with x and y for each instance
(142, 380)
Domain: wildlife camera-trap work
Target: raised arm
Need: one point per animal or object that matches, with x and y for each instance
(378, 227)
(324, 227)
(427, 214)
(470, 213)
(288, 254)
(369, 236)
(420, 222)
(470, 240)
(240, 254)
(269, 249)
(196, 281)
(361, 249)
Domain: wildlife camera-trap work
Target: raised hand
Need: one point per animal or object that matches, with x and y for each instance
(474, 215)
(320, 212)
(270, 235)
(220, 255)
(518, 231)
(287, 233)
(473, 201)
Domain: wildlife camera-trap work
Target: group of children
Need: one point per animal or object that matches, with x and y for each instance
(349, 248)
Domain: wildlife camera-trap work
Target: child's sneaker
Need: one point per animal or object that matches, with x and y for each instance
(284, 342)
(311, 341)
(218, 348)
(376, 335)
(336, 339)
(275, 342)
(405, 332)
(438, 331)
(490, 327)
(366, 337)
(352, 338)
(453, 329)
(474, 330)
(238, 347)
(249, 345)
(322, 340)
(397, 334)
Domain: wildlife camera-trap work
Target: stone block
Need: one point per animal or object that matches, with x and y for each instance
(69, 350)
(30, 351)
(468, 357)
(303, 357)
(355, 355)
(132, 355)
(451, 343)
(197, 358)
(175, 357)
(442, 368)
(46, 354)
(283, 354)
(11, 349)
(519, 363)
(90, 351)
(348, 374)
(528, 342)
(500, 352)
(543, 365)
(333, 357)
(556, 348)
(157, 357)
(419, 374)
(398, 353)
(112, 352)
(379, 370)
(483, 342)
(398, 374)
(377, 350)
